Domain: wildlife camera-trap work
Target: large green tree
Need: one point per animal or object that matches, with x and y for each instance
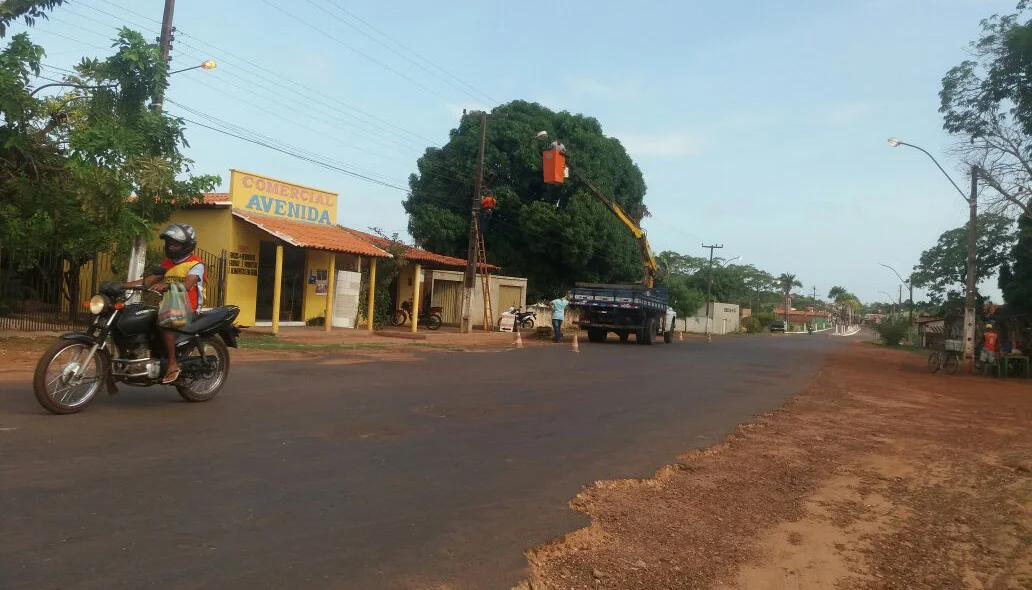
(986, 102)
(1016, 273)
(942, 269)
(554, 235)
(71, 161)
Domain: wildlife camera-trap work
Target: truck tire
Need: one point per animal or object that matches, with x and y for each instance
(596, 335)
(648, 333)
(668, 336)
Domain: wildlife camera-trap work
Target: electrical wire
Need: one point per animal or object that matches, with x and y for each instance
(398, 53)
(299, 156)
(357, 51)
(414, 53)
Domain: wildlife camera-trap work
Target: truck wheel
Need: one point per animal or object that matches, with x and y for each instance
(648, 333)
(668, 336)
(596, 335)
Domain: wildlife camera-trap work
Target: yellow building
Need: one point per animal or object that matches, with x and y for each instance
(283, 248)
(283, 253)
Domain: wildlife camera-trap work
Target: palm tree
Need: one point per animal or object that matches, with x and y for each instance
(836, 292)
(786, 282)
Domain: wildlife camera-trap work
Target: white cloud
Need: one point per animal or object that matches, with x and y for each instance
(666, 145)
(847, 113)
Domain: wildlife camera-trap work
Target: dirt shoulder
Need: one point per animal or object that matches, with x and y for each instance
(880, 476)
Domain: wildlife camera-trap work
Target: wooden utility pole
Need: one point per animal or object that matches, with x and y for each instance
(469, 282)
(138, 257)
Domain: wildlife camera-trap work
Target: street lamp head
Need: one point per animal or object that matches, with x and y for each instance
(208, 64)
(894, 141)
(541, 135)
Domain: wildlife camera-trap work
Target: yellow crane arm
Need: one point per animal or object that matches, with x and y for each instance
(648, 259)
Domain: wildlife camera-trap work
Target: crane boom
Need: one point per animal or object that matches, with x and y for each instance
(651, 268)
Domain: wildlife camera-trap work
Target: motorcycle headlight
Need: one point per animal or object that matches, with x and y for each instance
(98, 303)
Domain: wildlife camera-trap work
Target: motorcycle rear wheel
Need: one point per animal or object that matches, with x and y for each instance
(67, 398)
(210, 382)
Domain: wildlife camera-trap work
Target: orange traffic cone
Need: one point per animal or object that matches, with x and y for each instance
(519, 341)
(576, 348)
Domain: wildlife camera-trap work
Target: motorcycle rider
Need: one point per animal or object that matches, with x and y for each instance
(180, 265)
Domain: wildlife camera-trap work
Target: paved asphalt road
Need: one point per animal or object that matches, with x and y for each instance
(306, 474)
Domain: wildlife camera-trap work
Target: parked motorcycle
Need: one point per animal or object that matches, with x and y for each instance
(524, 319)
(123, 344)
(430, 318)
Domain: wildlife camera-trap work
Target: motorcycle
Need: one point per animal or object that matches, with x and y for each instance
(431, 318)
(123, 344)
(524, 319)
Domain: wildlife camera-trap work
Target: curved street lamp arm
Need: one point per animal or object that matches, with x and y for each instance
(901, 279)
(962, 195)
(33, 93)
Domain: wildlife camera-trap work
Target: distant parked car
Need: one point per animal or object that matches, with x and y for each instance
(777, 326)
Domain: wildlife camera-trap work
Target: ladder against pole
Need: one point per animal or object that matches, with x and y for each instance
(485, 278)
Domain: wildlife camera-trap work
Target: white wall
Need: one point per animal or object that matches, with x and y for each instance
(726, 320)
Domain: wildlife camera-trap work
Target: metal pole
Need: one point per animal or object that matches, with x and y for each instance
(709, 286)
(471, 254)
(969, 303)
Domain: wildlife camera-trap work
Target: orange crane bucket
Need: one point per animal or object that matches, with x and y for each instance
(554, 165)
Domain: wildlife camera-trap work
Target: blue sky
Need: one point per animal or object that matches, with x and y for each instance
(761, 126)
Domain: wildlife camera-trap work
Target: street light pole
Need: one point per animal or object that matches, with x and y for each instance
(969, 300)
(910, 289)
(709, 287)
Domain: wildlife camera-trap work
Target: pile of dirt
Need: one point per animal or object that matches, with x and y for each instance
(879, 476)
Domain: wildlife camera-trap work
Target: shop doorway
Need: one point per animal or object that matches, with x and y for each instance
(292, 292)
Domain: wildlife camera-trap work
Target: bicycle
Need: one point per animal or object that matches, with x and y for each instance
(947, 359)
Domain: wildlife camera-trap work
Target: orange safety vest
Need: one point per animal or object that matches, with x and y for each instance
(177, 273)
(990, 341)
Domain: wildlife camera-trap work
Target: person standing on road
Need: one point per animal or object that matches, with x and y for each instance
(558, 306)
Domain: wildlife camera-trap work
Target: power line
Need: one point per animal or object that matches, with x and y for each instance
(406, 48)
(143, 16)
(399, 54)
(299, 156)
(270, 140)
(358, 51)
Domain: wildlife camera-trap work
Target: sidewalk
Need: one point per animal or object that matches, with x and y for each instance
(445, 337)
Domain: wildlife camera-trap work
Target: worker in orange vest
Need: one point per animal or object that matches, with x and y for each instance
(990, 341)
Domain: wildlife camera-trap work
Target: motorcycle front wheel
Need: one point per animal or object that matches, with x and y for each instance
(527, 324)
(201, 385)
(432, 322)
(399, 318)
(55, 384)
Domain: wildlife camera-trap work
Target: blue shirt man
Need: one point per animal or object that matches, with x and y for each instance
(558, 315)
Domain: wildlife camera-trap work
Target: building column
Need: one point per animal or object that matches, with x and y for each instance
(277, 288)
(330, 276)
(415, 298)
(372, 292)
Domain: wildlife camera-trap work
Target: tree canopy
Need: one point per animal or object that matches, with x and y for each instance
(70, 161)
(986, 104)
(942, 270)
(553, 235)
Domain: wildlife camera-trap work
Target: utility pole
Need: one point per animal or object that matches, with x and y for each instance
(709, 288)
(466, 325)
(138, 257)
(969, 303)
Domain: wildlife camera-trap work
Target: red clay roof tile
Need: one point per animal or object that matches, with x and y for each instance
(305, 235)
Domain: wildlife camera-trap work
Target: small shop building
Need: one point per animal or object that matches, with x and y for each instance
(280, 254)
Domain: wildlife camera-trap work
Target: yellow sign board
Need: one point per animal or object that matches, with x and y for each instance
(267, 196)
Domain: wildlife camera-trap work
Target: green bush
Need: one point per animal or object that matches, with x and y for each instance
(762, 320)
(752, 325)
(893, 330)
